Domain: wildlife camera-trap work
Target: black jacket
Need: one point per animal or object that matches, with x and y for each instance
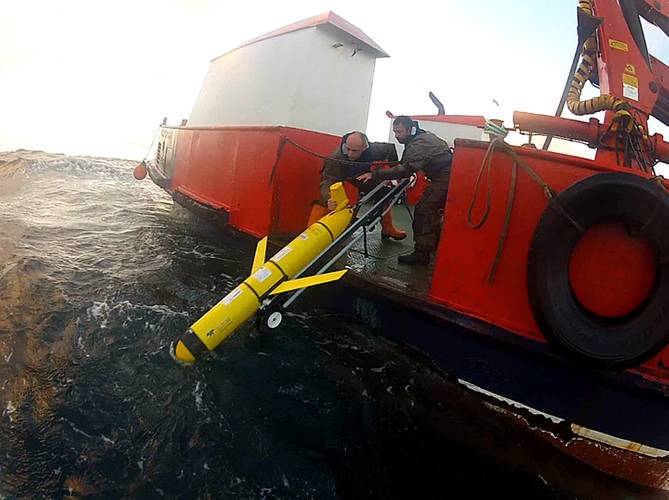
(335, 171)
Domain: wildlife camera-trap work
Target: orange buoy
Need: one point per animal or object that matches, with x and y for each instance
(140, 171)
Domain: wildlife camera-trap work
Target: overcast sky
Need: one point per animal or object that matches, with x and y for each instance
(94, 77)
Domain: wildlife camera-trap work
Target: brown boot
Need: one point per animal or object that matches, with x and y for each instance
(388, 230)
(317, 212)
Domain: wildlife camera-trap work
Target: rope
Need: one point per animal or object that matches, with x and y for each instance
(279, 152)
(486, 170)
(498, 133)
(327, 157)
(155, 135)
(507, 220)
(486, 166)
(359, 163)
(548, 191)
(660, 181)
(493, 129)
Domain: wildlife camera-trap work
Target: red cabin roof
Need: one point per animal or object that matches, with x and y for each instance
(321, 19)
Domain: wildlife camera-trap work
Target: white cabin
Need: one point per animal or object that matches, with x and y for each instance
(315, 74)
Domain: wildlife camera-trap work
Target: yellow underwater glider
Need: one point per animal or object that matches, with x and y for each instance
(283, 272)
(268, 278)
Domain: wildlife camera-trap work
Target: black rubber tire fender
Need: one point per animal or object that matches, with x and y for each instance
(643, 207)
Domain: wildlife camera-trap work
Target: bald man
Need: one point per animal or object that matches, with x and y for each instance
(351, 159)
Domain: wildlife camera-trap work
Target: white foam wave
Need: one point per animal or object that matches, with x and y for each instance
(82, 166)
(101, 312)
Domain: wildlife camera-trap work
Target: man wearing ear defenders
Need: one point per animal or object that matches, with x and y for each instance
(353, 157)
(424, 151)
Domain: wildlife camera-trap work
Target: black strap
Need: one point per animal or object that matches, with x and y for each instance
(251, 288)
(194, 344)
(327, 229)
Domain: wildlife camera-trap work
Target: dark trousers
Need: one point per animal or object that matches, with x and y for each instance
(427, 215)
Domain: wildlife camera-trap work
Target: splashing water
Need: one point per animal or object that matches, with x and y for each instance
(98, 274)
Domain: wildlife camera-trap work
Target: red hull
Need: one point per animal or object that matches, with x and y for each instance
(255, 174)
(461, 273)
(265, 184)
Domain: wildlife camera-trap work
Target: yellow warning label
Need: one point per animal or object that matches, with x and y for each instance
(630, 87)
(618, 45)
(629, 68)
(631, 80)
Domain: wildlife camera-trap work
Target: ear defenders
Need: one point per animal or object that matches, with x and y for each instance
(414, 128)
(344, 148)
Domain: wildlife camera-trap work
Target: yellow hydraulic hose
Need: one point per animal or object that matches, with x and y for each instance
(603, 102)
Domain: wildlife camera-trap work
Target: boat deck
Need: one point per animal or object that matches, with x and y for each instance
(381, 268)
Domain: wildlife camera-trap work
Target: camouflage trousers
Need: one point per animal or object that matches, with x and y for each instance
(427, 216)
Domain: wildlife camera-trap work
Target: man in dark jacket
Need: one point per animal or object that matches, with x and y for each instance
(354, 157)
(424, 151)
